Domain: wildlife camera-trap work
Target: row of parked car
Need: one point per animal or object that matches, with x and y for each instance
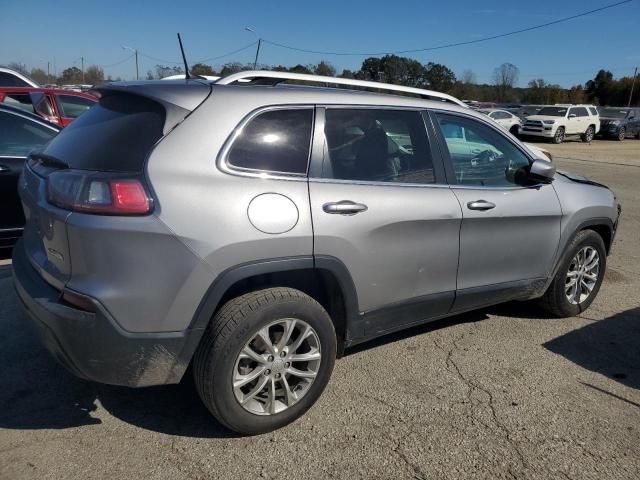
(557, 122)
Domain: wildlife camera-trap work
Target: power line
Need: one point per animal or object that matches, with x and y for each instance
(198, 61)
(119, 62)
(456, 44)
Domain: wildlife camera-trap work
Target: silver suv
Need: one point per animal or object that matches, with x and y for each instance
(254, 230)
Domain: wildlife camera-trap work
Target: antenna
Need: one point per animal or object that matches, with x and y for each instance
(187, 75)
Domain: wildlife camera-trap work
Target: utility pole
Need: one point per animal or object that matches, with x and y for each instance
(82, 65)
(48, 75)
(255, 62)
(135, 52)
(633, 84)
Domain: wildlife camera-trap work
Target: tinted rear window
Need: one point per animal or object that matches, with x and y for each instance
(9, 80)
(115, 135)
(275, 141)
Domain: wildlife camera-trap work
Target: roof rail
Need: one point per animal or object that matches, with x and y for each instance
(273, 78)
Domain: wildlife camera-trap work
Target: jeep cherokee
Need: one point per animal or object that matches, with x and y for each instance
(254, 230)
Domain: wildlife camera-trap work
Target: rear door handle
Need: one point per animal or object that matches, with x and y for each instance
(480, 205)
(344, 207)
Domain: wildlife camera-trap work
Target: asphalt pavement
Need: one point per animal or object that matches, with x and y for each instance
(501, 393)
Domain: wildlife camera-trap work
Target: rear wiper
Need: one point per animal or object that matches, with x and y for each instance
(49, 160)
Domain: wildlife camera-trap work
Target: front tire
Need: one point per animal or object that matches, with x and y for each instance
(622, 133)
(559, 136)
(588, 135)
(578, 279)
(265, 359)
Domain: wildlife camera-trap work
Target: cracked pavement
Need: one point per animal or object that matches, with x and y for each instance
(499, 393)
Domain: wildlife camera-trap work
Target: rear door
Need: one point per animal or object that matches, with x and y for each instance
(510, 230)
(18, 136)
(380, 207)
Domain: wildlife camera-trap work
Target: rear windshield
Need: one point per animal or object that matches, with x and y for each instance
(614, 113)
(553, 111)
(115, 135)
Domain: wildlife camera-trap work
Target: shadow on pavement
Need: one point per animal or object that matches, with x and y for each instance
(610, 347)
(37, 393)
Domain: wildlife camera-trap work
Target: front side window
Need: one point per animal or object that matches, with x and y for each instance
(19, 135)
(274, 141)
(377, 145)
(480, 155)
(72, 106)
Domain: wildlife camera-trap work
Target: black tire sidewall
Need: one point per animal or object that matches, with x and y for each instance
(223, 359)
(590, 239)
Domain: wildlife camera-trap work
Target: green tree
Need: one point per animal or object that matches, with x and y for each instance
(601, 88)
(71, 75)
(325, 69)
(202, 69)
(439, 77)
(300, 69)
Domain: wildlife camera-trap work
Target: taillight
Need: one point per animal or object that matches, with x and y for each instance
(99, 193)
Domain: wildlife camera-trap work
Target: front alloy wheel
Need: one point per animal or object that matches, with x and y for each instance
(582, 275)
(276, 368)
(559, 136)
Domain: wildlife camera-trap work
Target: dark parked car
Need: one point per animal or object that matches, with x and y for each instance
(20, 132)
(620, 122)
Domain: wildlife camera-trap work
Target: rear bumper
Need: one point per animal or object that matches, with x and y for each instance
(91, 345)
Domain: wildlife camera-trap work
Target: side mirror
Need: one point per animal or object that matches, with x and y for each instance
(542, 170)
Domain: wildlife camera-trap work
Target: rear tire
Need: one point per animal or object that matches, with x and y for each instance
(588, 135)
(560, 299)
(622, 134)
(558, 138)
(221, 363)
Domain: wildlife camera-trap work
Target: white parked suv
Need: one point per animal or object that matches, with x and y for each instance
(506, 120)
(559, 121)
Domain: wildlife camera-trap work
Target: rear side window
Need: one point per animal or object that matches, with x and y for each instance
(19, 135)
(579, 112)
(274, 141)
(593, 110)
(122, 128)
(72, 106)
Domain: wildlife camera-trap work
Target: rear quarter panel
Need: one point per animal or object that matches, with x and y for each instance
(206, 208)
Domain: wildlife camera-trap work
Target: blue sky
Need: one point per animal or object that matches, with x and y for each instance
(34, 32)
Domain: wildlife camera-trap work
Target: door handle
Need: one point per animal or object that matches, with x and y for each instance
(344, 207)
(480, 205)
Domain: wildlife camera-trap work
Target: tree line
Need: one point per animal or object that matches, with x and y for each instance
(603, 89)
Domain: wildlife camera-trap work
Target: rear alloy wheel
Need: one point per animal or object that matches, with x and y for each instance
(622, 133)
(559, 136)
(579, 276)
(265, 359)
(588, 135)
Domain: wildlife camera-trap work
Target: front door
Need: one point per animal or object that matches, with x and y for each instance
(510, 230)
(380, 206)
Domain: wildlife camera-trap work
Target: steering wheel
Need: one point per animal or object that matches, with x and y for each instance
(485, 156)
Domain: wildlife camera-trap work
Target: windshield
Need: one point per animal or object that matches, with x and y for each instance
(614, 113)
(553, 111)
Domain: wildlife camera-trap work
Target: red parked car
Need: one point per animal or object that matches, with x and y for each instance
(55, 105)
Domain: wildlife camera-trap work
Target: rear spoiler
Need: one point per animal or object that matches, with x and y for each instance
(179, 98)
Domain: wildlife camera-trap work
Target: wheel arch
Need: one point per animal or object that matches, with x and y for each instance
(324, 278)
